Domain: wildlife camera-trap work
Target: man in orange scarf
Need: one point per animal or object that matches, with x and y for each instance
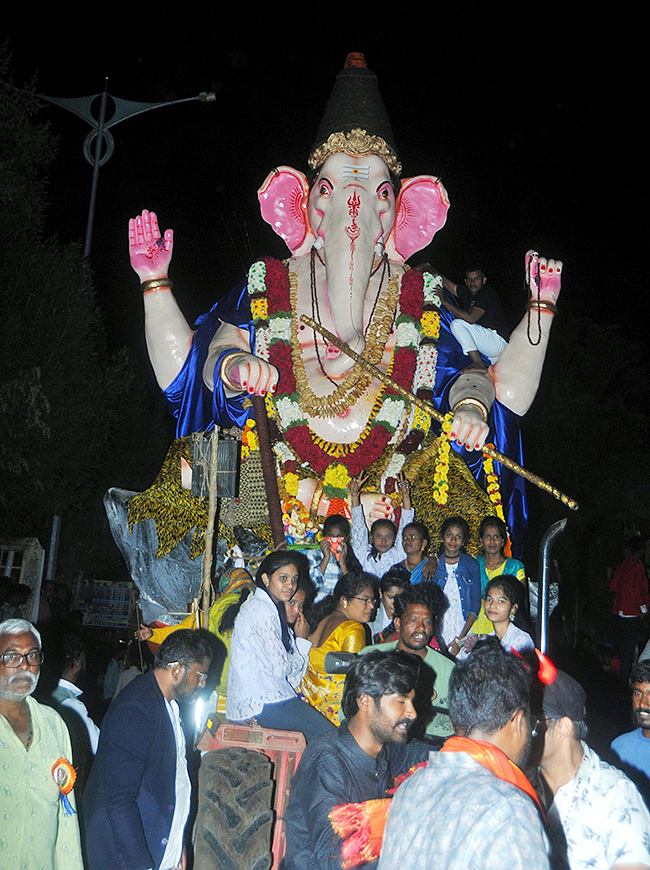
(472, 806)
(355, 765)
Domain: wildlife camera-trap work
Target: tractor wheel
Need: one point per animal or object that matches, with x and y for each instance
(234, 820)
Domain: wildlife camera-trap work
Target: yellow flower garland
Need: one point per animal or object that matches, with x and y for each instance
(337, 477)
(431, 324)
(250, 441)
(441, 486)
(492, 480)
(291, 482)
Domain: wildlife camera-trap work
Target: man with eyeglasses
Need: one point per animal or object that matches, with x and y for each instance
(35, 828)
(137, 798)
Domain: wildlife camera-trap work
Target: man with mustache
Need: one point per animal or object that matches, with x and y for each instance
(480, 326)
(137, 799)
(358, 762)
(633, 748)
(416, 617)
(471, 806)
(603, 817)
(35, 828)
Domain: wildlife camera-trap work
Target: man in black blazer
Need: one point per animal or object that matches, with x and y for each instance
(136, 800)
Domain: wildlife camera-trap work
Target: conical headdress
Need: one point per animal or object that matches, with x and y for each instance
(355, 119)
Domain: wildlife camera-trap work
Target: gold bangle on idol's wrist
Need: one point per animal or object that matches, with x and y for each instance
(156, 284)
(225, 362)
(542, 305)
(475, 403)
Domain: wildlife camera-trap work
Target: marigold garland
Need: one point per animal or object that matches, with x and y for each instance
(412, 366)
(291, 482)
(492, 481)
(431, 324)
(338, 506)
(441, 473)
(336, 481)
(494, 493)
(250, 440)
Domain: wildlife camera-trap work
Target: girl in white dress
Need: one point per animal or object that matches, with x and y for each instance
(505, 603)
(268, 658)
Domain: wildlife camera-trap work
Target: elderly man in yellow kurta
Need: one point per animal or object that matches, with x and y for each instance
(38, 826)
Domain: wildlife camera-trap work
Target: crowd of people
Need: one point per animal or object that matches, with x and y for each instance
(444, 677)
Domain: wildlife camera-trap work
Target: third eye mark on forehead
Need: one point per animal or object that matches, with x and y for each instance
(352, 169)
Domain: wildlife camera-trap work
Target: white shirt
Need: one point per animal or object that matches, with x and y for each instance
(362, 548)
(380, 622)
(80, 709)
(453, 621)
(261, 670)
(514, 638)
(517, 639)
(174, 848)
(604, 817)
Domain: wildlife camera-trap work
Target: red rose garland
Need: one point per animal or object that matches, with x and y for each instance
(269, 283)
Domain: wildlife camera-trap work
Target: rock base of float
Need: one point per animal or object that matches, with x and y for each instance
(166, 584)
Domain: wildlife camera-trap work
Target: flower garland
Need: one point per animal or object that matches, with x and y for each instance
(423, 382)
(250, 440)
(441, 471)
(272, 291)
(492, 481)
(494, 493)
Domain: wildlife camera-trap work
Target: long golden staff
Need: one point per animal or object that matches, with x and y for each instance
(432, 412)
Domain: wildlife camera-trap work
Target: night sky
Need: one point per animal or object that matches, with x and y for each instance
(531, 126)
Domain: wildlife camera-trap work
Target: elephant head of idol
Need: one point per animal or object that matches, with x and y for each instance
(353, 210)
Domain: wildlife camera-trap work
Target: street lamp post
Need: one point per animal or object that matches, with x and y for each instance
(100, 135)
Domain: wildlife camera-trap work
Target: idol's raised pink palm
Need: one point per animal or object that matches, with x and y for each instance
(150, 252)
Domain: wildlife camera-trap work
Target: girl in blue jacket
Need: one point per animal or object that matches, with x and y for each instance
(459, 575)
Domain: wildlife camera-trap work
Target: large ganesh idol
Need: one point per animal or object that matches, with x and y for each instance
(350, 225)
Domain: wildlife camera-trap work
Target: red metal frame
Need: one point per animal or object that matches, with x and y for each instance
(283, 748)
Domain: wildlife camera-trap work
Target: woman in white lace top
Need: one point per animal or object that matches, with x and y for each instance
(267, 658)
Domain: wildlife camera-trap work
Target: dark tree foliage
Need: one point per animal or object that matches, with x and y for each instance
(586, 433)
(75, 419)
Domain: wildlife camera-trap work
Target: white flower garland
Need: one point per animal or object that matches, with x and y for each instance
(392, 410)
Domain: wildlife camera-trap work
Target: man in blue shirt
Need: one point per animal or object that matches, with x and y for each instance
(632, 748)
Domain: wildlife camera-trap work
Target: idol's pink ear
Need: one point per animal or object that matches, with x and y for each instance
(283, 202)
(421, 210)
